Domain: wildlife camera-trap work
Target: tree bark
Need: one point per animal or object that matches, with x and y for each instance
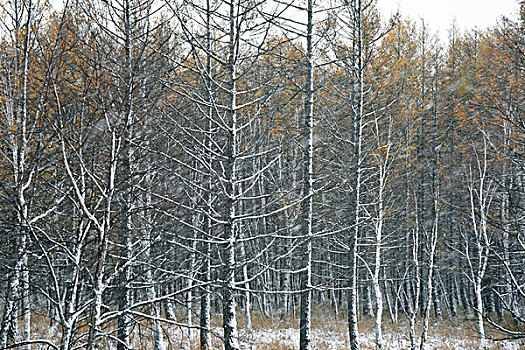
(307, 192)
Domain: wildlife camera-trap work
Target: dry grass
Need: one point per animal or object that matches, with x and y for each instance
(276, 345)
(281, 333)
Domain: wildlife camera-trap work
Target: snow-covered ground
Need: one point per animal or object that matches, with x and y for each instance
(289, 339)
(281, 336)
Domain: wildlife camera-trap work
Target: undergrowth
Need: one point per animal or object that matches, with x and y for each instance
(329, 332)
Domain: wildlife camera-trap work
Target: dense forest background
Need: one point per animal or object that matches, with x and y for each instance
(197, 164)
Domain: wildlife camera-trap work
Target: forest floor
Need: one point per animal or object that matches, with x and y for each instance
(329, 333)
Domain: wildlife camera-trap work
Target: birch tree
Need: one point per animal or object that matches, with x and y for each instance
(226, 42)
(23, 156)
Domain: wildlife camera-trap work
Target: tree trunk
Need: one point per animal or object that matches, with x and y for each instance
(357, 101)
(307, 192)
(231, 341)
(205, 323)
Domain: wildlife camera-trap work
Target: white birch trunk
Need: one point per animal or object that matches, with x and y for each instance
(383, 165)
(307, 192)
(205, 323)
(189, 283)
(205, 304)
(480, 201)
(377, 287)
(357, 100)
(231, 337)
(414, 284)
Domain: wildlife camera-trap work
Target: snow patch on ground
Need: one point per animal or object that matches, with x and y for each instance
(289, 337)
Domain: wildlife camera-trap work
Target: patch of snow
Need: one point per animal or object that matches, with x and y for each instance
(289, 337)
